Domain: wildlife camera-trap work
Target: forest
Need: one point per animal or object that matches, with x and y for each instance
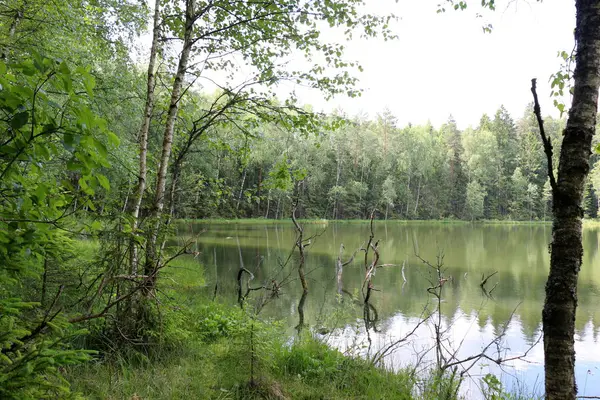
(122, 120)
(496, 170)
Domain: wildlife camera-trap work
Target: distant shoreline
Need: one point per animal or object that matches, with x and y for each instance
(241, 221)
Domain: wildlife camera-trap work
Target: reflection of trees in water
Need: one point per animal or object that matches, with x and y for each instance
(519, 253)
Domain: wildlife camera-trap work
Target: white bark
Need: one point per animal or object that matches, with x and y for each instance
(161, 179)
(143, 136)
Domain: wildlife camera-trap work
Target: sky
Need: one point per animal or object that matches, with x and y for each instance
(444, 64)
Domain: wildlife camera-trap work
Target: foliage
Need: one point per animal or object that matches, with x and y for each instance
(46, 118)
(492, 389)
(415, 172)
(475, 197)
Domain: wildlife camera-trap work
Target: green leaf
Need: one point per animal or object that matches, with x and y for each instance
(89, 82)
(100, 147)
(67, 82)
(85, 187)
(19, 120)
(64, 68)
(41, 192)
(113, 139)
(73, 165)
(96, 226)
(69, 141)
(103, 180)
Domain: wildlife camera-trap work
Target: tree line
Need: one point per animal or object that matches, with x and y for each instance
(352, 165)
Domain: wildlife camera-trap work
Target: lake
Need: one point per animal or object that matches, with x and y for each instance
(470, 318)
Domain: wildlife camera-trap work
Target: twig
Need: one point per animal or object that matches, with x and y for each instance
(485, 279)
(392, 346)
(545, 140)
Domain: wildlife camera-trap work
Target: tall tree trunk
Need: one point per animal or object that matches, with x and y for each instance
(174, 180)
(161, 180)
(143, 138)
(407, 195)
(258, 190)
(268, 204)
(337, 182)
(418, 195)
(567, 249)
(19, 13)
(15, 22)
(239, 200)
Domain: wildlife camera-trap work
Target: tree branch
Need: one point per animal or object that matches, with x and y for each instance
(545, 140)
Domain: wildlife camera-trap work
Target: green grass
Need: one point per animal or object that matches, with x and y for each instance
(591, 223)
(215, 363)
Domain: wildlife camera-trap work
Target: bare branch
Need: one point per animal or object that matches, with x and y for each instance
(545, 140)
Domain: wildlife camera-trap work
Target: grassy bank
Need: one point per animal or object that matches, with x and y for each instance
(221, 369)
(263, 221)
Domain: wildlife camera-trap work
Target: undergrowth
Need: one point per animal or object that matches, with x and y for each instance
(228, 354)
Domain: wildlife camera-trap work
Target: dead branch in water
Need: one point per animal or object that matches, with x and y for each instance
(340, 267)
(484, 280)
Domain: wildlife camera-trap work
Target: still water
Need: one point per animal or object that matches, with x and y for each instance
(470, 318)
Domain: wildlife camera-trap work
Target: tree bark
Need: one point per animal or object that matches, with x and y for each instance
(566, 249)
(161, 180)
(143, 138)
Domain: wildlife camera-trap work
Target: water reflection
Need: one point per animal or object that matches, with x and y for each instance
(518, 253)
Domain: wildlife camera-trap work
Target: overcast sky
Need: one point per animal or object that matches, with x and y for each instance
(444, 64)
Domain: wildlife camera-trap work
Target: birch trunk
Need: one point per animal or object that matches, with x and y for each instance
(268, 203)
(239, 200)
(337, 182)
(418, 195)
(161, 179)
(408, 195)
(566, 249)
(143, 138)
